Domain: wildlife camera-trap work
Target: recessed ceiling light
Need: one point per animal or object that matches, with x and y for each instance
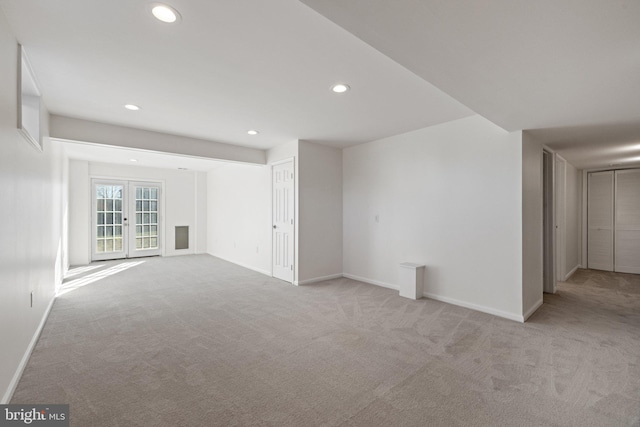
(183, 169)
(253, 132)
(165, 13)
(132, 107)
(133, 160)
(340, 88)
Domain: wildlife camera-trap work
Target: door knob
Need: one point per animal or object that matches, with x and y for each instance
(275, 226)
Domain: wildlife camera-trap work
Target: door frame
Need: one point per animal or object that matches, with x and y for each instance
(291, 160)
(128, 179)
(549, 226)
(560, 217)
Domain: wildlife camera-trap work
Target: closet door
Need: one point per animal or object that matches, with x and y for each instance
(627, 234)
(600, 221)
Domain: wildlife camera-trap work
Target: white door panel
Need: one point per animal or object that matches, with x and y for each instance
(283, 221)
(600, 220)
(627, 223)
(600, 242)
(109, 218)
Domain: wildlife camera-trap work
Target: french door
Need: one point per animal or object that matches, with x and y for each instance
(126, 219)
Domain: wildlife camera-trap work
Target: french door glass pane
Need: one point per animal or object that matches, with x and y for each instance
(146, 218)
(109, 218)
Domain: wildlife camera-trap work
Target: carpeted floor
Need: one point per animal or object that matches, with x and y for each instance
(197, 341)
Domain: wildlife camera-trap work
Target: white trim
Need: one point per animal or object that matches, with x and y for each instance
(553, 221)
(532, 310)
(258, 270)
(283, 161)
(476, 307)
(371, 281)
(560, 219)
(569, 274)
(623, 269)
(448, 300)
(25, 358)
(320, 279)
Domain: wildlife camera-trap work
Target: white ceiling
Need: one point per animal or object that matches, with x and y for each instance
(228, 66)
(597, 146)
(567, 70)
(571, 67)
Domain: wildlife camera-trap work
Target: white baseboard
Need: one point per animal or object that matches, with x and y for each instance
(569, 274)
(533, 309)
(265, 272)
(448, 300)
(622, 269)
(319, 279)
(371, 281)
(476, 307)
(25, 358)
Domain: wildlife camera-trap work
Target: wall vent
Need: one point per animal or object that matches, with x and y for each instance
(182, 237)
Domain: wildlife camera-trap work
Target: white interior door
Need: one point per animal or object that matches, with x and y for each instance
(627, 222)
(283, 221)
(600, 220)
(126, 219)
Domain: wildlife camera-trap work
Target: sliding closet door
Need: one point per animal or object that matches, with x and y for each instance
(600, 220)
(627, 235)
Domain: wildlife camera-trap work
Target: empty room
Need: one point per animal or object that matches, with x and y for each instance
(320, 212)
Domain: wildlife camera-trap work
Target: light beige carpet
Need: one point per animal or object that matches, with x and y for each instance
(196, 341)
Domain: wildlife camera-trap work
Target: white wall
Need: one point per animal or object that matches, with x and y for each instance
(201, 207)
(532, 225)
(239, 213)
(79, 224)
(320, 212)
(449, 196)
(180, 203)
(31, 188)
